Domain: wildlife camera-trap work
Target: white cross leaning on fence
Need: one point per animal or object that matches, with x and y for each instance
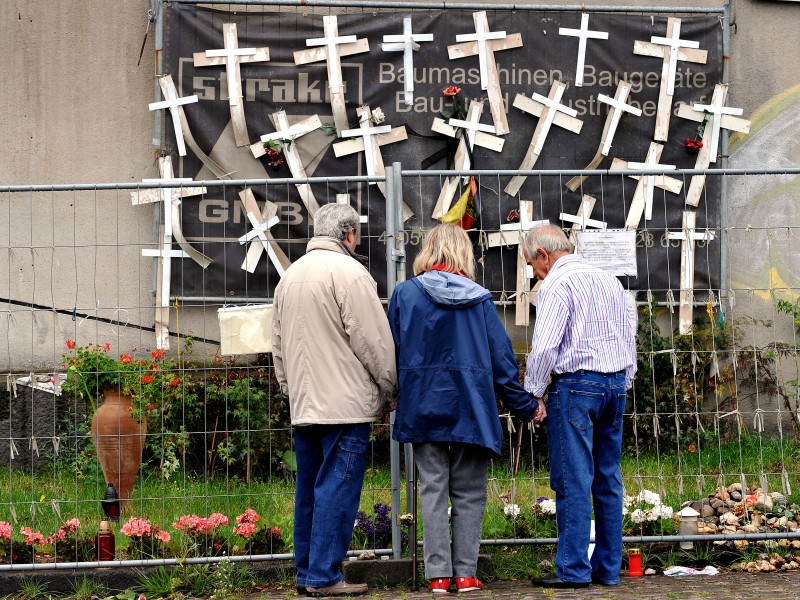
(254, 251)
(725, 121)
(581, 220)
(689, 236)
(330, 48)
(490, 78)
(642, 201)
(174, 103)
(514, 234)
(550, 112)
(583, 34)
(671, 49)
(259, 231)
(617, 108)
(407, 43)
(233, 57)
(369, 139)
(286, 136)
(470, 133)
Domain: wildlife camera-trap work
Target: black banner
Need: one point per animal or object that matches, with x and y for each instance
(215, 222)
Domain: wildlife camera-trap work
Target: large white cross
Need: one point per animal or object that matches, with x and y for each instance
(407, 44)
(717, 108)
(232, 57)
(367, 131)
(173, 103)
(618, 107)
(511, 234)
(482, 35)
(259, 231)
(550, 112)
(689, 236)
(639, 200)
(330, 48)
(254, 251)
(726, 121)
(581, 221)
(286, 136)
(582, 34)
(662, 47)
(490, 77)
(649, 181)
(470, 133)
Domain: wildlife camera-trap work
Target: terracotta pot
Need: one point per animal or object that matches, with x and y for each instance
(119, 441)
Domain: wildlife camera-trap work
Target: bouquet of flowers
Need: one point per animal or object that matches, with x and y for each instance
(147, 540)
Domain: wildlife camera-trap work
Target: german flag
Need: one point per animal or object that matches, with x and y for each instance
(465, 212)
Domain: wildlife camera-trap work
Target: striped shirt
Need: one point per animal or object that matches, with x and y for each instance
(582, 322)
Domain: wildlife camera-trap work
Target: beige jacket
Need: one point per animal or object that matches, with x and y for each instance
(331, 343)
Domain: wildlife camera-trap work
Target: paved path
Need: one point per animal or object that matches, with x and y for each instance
(726, 586)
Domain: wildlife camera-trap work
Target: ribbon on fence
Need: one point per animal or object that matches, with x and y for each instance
(56, 507)
(11, 384)
(758, 420)
(13, 512)
(56, 444)
(670, 301)
(655, 425)
(764, 483)
(33, 446)
(13, 448)
(787, 487)
(699, 423)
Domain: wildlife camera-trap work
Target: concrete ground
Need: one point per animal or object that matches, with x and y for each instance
(761, 586)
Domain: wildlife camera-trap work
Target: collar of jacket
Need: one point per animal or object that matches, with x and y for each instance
(333, 245)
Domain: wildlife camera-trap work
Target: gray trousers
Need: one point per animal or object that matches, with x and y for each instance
(456, 472)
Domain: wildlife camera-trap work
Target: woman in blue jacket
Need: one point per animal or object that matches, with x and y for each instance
(453, 356)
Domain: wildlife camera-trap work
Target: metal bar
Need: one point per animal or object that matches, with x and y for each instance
(723, 184)
(461, 6)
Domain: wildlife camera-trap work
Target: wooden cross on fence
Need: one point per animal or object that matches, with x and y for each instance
(550, 112)
(642, 201)
(330, 48)
(721, 118)
(618, 108)
(262, 221)
(470, 133)
(689, 236)
(581, 221)
(582, 34)
(170, 227)
(233, 57)
(407, 44)
(368, 139)
(174, 104)
(511, 234)
(484, 43)
(672, 49)
(286, 135)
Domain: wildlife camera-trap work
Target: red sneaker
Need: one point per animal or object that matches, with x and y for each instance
(440, 586)
(468, 584)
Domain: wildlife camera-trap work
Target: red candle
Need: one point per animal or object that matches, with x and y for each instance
(105, 542)
(635, 563)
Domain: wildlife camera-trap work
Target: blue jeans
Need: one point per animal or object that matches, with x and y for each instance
(331, 460)
(584, 438)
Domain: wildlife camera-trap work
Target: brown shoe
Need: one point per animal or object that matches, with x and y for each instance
(341, 588)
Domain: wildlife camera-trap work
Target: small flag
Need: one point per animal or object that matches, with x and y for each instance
(464, 213)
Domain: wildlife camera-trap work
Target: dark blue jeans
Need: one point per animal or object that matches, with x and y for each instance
(584, 438)
(331, 460)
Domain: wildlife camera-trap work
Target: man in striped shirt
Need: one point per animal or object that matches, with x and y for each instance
(584, 342)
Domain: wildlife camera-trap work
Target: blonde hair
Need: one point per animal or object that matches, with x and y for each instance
(448, 245)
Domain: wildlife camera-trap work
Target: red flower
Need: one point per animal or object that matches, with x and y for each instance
(147, 379)
(273, 153)
(150, 406)
(693, 146)
(108, 346)
(691, 448)
(71, 344)
(452, 91)
(125, 358)
(174, 382)
(158, 354)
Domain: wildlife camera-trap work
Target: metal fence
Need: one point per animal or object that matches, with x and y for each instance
(711, 408)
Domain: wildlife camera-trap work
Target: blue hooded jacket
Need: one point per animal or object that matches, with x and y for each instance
(453, 356)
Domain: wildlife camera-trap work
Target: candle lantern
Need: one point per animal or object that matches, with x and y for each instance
(688, 525)
(111, 503)
(635, 562)
(105, 542)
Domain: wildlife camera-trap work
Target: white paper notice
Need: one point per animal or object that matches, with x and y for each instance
(613, 250)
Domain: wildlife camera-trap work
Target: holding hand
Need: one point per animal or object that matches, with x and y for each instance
(540, 413)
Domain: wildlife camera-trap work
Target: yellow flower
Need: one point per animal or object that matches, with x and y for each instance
(42, 498)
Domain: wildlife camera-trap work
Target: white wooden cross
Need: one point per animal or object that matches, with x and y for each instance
(550, 112)
(642, 201)
(259, 231)
(286, 135)
(254, 251)
(710, 146)
(173, 103)
(170, 198)
(618, 106)
(688, 237)
(470, 133)
(484, 44)
(233, 57)
(718, 110)
(514, 233)
(369, 139)
(582, 34)
(672, 49)
(407, 44)
(581, 220)
(330, 48)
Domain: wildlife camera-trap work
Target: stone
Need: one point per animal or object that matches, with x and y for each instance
(650, 571)
(735, 487)
(779, 498)
(722, 494)
(707, 511)
(737, 496)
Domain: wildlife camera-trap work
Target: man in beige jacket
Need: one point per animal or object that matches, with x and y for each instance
(335, 360)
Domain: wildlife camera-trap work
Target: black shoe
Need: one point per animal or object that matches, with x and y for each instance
(557, 582)
(301, 590)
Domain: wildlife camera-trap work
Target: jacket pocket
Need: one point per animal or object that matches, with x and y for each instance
(582, 405)
(351, 457)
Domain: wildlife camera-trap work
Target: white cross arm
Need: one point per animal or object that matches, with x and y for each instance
(512, 233)
(217, 57)
(165, 253)
(727, 122)
(693, 55)
(620, 105)
(664, 182)
(484, 140)
(692, 235)
(535, 108)
(258, 228)
(298, 129)
(397, 134)
(311, 55)
(582, 222)
(465, 49)
(172, 102)
(151, 195)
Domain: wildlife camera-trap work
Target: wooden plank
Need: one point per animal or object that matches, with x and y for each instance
(644, 48)
(255, 248)
(685, 111)
(201, 60)
(523, 298)
(397, 134)
(151, 195)
(505, 238)
(465, 49)
(530, 105)
(310, 55)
